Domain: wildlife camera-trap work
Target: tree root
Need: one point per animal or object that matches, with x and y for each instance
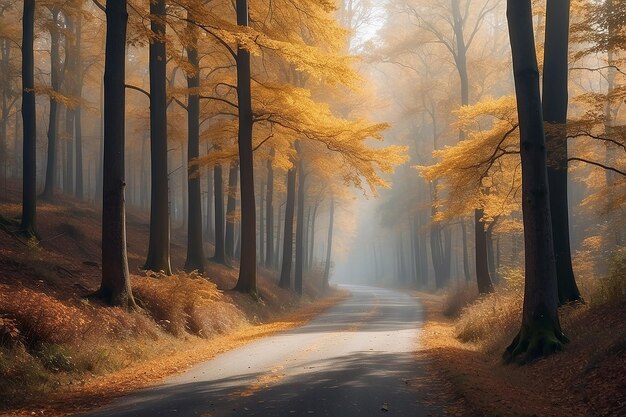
(534, 341)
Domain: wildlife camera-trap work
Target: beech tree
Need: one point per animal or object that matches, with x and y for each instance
(158, 258)
(115, 285)
(29, 123)
(540, 333)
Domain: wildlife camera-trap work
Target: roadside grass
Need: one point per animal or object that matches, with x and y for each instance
(60, 351)
(587, 378)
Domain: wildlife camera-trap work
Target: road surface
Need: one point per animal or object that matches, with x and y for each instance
(355, 360)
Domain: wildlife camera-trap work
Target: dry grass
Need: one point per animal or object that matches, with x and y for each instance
(56, 346)
(588, 378)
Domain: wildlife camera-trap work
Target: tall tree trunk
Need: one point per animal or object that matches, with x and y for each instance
(231, 207)
(100, 172)
(305, 239)
(329, 242)
(195, 250)
(29, 123)
(210, 220)
(285, 273)
(482, 268)
(466, 267)
(555, 99)
(115, 285)
(247, 269)
(269, 213)
(78, 120)
(220, 218)
(300, 224)
(158, 258)
(279, 234)
(540, 332)
(68, 177)
(312, 238)
(261, 224)
(55, 78)
(483, 278)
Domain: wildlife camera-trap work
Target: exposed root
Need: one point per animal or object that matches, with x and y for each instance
(540, 339)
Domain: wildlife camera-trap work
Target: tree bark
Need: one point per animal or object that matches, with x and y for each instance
(231, 206)
(261, 223)
(78, 116)
(540, 332)
(329, 242)
(483, 278)
(312, 238)
(269, 213)
(29, 124)
(210, 217)
(220, 218)
(285, 273)
(195, 249)
(55, 79)
(300, 225)
(247, 269)
(555, 98)
(115, 286)
(158, 258)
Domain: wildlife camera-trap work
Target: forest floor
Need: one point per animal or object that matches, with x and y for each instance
(61, 353)
(587, 379)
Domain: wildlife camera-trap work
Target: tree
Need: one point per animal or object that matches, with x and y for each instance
(195, 250)
(28, 224)
(159, 245)
(269, 212)
(247, 266)
(220, 245)
(329, 243)
(56, 81)
(285, 272)
(300, 249)
(555, 100)
(540, 332)
(115, 285)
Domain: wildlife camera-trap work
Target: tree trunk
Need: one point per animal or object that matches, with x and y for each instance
(483, 278)
(210, 221)
(29, 124)
(555, 99)
(329, 243)
(231, 207)
(300, 225)
(466, 267)
(195, 250)
(540, 332)
(247, 269)
(269, 213)
(285, 273)
(78, 120)
(100, 172)
(158, 258)
(115, 285)
(220, 218)
(261, 224)
(312, 238)
(55, 78)
(68, 177)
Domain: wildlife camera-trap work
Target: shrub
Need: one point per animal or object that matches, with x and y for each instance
(459, 297)
(493, 318)
(172, 301)
(612, 288)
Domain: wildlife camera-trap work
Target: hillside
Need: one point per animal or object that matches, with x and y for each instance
(55, 341)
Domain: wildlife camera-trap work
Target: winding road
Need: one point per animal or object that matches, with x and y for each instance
(356, 359)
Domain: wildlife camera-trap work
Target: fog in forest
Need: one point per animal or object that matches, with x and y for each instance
(176, 170)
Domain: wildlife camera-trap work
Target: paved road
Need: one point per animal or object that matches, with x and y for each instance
(354, 360)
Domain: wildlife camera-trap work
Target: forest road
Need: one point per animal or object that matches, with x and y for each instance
(355, 360)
